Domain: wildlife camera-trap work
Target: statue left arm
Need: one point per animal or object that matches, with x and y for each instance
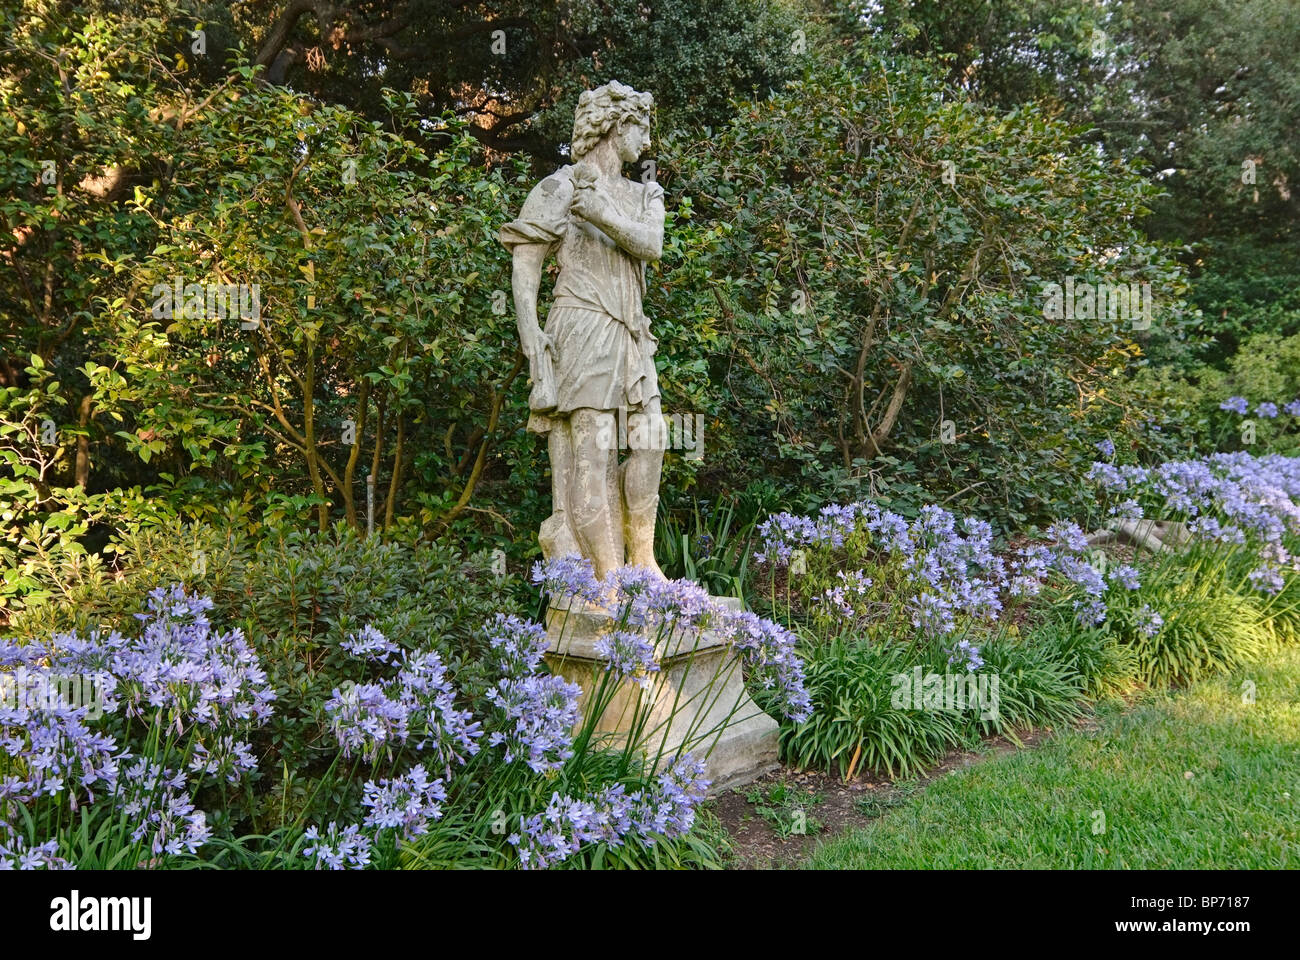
(642, 238)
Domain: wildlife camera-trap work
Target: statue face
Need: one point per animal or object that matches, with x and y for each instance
(633, 140)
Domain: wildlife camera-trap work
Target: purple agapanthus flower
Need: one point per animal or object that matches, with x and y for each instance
(369, 644)
(967, 654)
(629, 654)
(341, 848)
(612, 816)
(1149, 621)
(566, 578)
(17, 854)
(540, 713)
(1127, 576)
(1267, 579)
(409, 802)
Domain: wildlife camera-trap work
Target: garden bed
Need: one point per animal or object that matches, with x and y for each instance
(759, 816)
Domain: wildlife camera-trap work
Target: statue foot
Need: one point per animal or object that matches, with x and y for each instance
(647, 563)
(556, 537)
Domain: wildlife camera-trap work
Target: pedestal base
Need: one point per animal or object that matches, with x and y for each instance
(697, 701)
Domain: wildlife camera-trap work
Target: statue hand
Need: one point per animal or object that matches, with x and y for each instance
(592, 203)
(534, 342)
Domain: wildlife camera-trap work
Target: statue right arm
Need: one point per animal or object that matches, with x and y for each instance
(539, 229)
(526, 281)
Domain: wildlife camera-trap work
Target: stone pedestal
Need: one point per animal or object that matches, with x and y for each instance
(697, 698)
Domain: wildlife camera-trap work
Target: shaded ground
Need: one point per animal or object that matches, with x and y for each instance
(1205, 777)
(828, 804)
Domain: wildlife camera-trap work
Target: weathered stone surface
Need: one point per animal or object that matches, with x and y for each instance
(592, 367)
(1154, 535)
(697, 700)
(595, 391)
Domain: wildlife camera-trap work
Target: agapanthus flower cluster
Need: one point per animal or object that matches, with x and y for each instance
(55, 752)
(369, 644)
(768, 651)
(1028, 570)
(195, 690)
(568, 577)
(17, 854)
(407, 803)
(341, 848)
(1126, 575)
(178, 669)
(227, 758)
(966, 654)
(852, 589)
(541, 711)
(158, 802)
(364, 719)
(950, 573)
(1090, 605)
(520, 645)
(612, 816)
(1107, 476)
(1128, 509)
(668, 810)
(931, 614)
(1267, 578)
(630, 655)
(636, 597)
(640, 602)
(418, 705)
(1148, 621)
(1226, 497)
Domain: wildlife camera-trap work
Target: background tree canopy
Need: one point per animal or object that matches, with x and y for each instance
(514, 68)
(865, 208)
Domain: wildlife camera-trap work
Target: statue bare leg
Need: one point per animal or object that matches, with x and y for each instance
(594, 475)
(556, 536)
(640, 482)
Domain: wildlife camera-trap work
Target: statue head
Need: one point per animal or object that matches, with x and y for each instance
(617, 109)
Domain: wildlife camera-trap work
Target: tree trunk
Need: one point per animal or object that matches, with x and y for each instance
(309, 434)
(396, 480)
(354, 456)
(82, 473)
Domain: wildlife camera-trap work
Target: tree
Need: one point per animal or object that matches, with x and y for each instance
(879, 281)
(257, 278)
(514, 68)
(1203, 96)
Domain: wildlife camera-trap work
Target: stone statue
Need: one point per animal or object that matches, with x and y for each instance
(593, 365)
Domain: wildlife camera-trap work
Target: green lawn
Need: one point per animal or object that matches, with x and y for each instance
(1036, 808)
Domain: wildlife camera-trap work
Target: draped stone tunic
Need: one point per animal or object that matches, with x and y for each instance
(603, 348)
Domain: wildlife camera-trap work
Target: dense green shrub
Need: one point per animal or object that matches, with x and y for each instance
(1036, 684)
(853, 725)
(1103, 665)
(880, 326)
(1207, 630)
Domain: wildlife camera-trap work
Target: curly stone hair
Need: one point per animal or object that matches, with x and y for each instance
(602, 110)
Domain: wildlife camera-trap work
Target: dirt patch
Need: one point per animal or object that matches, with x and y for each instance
(764, 817)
